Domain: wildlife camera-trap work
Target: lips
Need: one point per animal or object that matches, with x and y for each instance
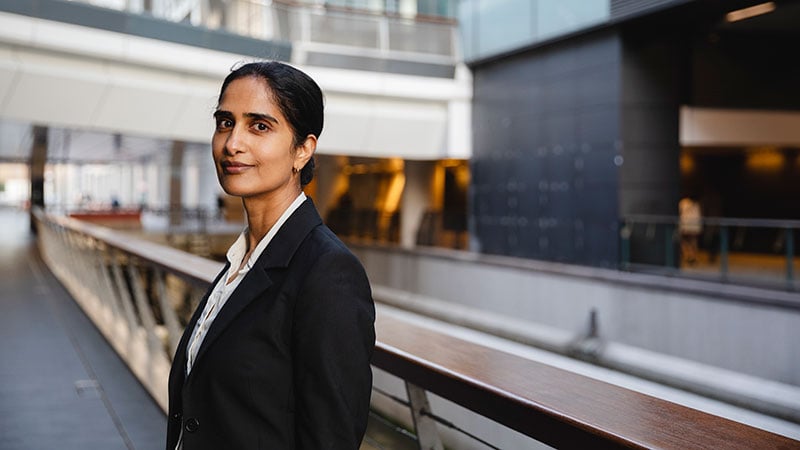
(234, 167)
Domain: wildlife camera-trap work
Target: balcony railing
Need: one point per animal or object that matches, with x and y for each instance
(751, 251)
(312, 27)
(140, 295)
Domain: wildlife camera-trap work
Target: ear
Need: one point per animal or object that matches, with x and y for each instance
(305, 151)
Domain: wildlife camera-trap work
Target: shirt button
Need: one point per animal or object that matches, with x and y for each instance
(192, 425)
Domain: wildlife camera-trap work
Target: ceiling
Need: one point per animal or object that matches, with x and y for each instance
(785, 19)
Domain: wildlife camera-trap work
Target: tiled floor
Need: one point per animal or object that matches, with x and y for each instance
(61, 384)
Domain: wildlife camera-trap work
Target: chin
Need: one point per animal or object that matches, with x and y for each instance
(233, 189)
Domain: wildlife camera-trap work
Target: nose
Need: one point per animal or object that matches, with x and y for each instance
(234, 142)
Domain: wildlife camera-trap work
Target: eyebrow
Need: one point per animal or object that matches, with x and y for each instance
(261, 116)
(251, 115)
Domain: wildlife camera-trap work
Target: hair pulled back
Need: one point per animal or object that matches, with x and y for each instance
(296, 94)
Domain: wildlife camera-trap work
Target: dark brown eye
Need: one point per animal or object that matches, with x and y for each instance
(223, 124)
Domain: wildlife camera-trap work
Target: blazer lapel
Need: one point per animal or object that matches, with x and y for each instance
(276, 256)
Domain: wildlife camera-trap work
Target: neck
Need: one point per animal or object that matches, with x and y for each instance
(263, 213)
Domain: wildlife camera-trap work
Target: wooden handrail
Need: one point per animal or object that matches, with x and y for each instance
(196, 269)
(551, 405)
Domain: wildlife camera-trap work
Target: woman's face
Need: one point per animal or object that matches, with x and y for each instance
(253, 145)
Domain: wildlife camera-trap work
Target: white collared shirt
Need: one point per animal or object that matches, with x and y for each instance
(223, 290)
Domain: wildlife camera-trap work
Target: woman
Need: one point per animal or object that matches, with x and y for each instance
(277, 354)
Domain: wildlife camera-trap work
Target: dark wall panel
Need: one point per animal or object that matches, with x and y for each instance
(545, 133)
(654, 70)
(654, 73)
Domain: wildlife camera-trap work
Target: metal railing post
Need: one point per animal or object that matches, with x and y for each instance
(625, 234)
(96, 264)
(168, 312)
(427, 436)
(383, 34)
(669, 251)
(143, 307)
(723, 251)
(125, 297)
(106, 255)
(789, 257)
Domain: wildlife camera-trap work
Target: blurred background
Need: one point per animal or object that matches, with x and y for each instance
(615, 182)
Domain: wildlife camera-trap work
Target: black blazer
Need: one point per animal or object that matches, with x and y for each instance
(285, 364)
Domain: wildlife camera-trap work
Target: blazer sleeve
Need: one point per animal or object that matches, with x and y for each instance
(333, 339)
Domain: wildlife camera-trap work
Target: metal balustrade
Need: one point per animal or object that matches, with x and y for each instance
(750, 251)
(139, 294)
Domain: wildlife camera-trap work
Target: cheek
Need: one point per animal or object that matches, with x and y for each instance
(216, 152)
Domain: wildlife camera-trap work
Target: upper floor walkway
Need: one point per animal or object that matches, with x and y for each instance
(72, 65)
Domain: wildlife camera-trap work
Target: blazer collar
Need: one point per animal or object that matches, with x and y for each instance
(277, 255)
(283, 246)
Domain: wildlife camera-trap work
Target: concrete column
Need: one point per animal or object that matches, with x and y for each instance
(209, 186)
(153, 184)
(38, 160)
(418, 196)
(176, 170)
(126, 185)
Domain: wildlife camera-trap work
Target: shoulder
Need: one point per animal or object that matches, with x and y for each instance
(333, 278)
(322, 250)
(322, 241)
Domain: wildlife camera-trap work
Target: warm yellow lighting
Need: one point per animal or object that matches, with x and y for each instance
(395, 165)
(463, 176)
(436, 201)
(687, 163)
(394, 193)
(746, 13)
(452, 162)
(359, 169)
(766, 159)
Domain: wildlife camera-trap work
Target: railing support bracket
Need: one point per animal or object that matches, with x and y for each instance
(427, 435)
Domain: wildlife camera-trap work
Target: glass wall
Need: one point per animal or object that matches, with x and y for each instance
(490, 27)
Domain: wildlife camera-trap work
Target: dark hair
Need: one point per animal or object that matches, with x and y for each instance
(297, 95)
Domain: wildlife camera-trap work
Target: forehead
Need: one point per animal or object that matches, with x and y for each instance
(248, 94)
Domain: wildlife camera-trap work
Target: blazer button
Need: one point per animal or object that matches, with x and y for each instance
(191, 425)
(177, 416)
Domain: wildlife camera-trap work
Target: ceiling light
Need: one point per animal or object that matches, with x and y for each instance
(746, 13)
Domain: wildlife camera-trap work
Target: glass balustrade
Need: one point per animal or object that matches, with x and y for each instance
(417, 32)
